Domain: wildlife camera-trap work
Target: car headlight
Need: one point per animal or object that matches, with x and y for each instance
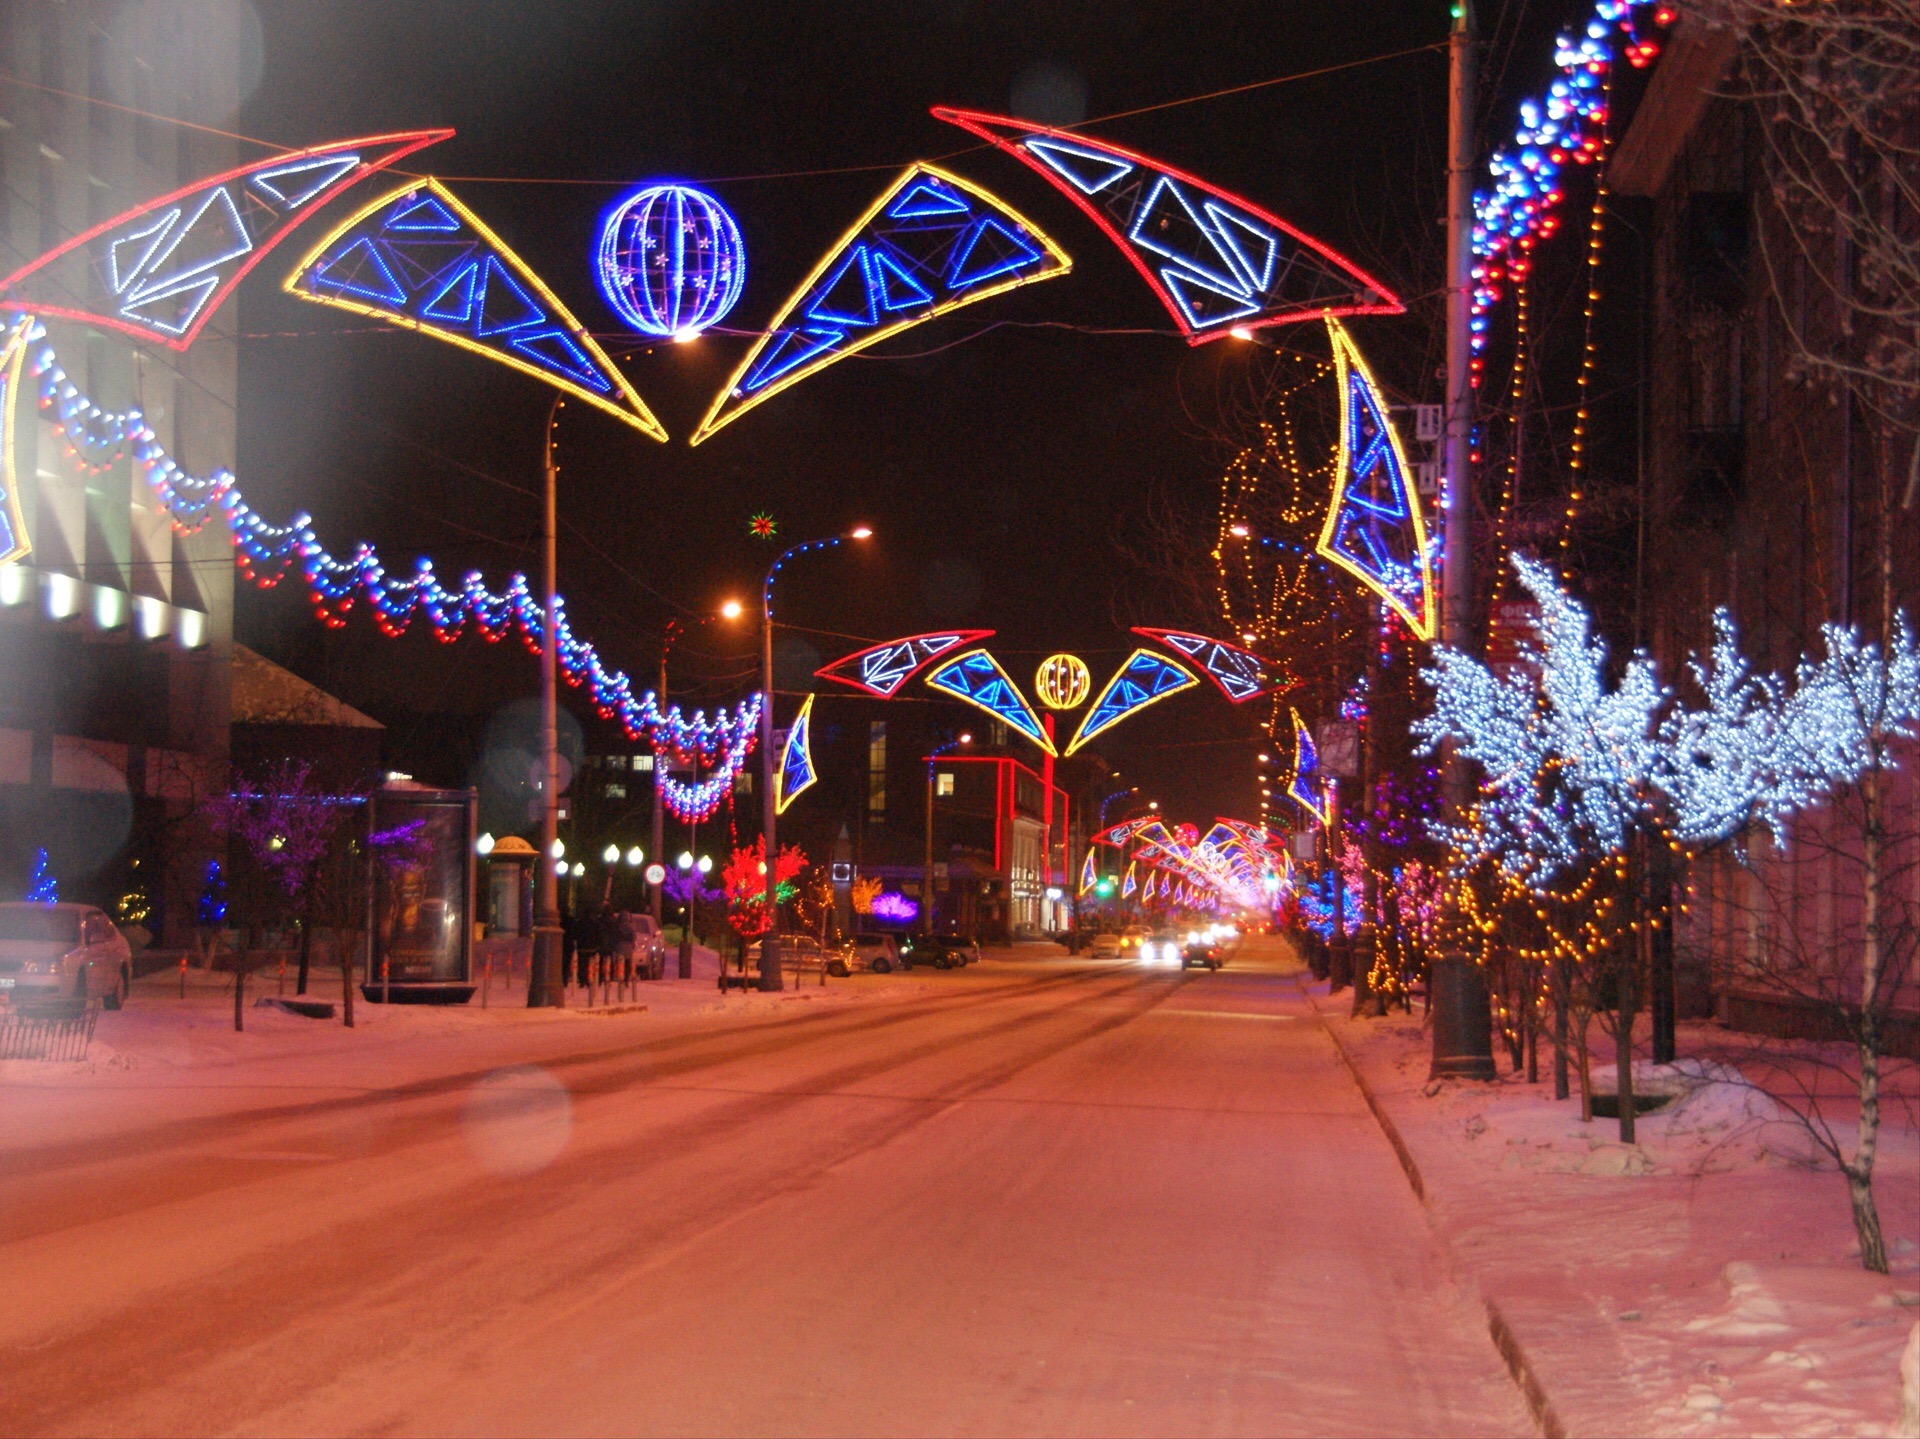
(1146, 950)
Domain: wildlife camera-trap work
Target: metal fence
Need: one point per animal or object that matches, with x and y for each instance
(54, 1030)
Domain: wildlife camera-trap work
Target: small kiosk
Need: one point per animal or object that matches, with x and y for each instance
(422, 930)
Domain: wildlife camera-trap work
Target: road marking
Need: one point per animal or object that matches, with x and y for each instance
(1223, 1014)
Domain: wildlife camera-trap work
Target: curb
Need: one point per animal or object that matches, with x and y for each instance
(1519, 1366)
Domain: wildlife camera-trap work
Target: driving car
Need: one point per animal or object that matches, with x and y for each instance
(61, 950)
(1205, 950)
(1131, 938)
(1160, 947)
(942, 951)
(1105, 945)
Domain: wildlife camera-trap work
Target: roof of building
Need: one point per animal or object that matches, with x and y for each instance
(267, 693)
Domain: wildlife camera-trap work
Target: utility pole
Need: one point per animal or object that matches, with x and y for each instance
(543, 975)
(1462, 1026)
(659, 775)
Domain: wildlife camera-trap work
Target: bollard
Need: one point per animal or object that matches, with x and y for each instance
(183, 976)
(486, 978)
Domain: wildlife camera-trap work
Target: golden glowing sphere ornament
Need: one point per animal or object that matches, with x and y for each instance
(1062, 682)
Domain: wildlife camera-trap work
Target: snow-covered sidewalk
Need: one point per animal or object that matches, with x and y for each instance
(1704, 1281)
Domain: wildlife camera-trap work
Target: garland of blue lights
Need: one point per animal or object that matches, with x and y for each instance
(1565, 126)
(266, 553)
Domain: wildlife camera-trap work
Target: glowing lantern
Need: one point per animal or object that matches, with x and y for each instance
(1062, 682)
(671, 260)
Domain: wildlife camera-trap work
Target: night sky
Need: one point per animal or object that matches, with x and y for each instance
(1008, 455)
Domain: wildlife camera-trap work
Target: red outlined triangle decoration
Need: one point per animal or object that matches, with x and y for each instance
(420, 259)
(1240, 673)
(931, 243)
(1373, 529)
(161, 269)
(881, 669)
(1218, 263)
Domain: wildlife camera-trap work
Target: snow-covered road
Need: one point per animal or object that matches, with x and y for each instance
(1037, 1196)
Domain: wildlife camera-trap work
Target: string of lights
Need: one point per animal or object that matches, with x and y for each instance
(266, 553)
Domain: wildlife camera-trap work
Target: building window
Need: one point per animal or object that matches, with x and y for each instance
(616, 791)
(943, 784)
(877, 770)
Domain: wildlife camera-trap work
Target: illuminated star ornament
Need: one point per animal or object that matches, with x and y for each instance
(762, 526)
(977, 678)
(1240, 673)
(1146, 678)
(931, 243)
(1307, 788)
(163, 268)
(420, 259)
(881, 669)
(1218, 263)
(1373, 528)
(796, 772)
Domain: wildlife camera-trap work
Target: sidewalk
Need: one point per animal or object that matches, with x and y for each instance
(1702, 1282)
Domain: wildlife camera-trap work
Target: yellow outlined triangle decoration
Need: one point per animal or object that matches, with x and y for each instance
(420, 259)
(1145, 679)
(14, 544)
(1374, 530)
(931, 243)
(795, 772)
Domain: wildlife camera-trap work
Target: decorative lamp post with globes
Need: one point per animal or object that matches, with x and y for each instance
(770, 942)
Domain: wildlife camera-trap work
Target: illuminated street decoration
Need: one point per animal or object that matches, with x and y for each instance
(1307, 788)
(883, 668)
(1218, 263)
(1240, 673)
(930, 243)
(164, 267)
(420, 259)
(671, 260)
(1568, 125)
(977, 678)
(796, 772)
(13, 526)
(1191, 870)
(1062, 682)
(1127, 889)
(1128, 830)
(1373, 528)
(265, 553)
(1089, 872)
(1146, 678)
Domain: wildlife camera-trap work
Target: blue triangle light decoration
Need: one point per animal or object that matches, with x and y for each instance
(1307, 788)
(977, 678)
(930, 243)
(1089, 872)
(13, 525)
(1374, 528)
(420, 259)
(796, 771)
(1219, 263)
(1146, 678)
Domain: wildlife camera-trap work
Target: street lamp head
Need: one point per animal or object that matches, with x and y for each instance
(635, 857)
(1239, 532)
(559, 848)
(706, 864)
(860, 532)
(966, 739)
(578, 869)
(1153, 804)
(611, 854)
(685, 861)
(732, 610)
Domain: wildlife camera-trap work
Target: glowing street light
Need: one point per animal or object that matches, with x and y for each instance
(635, 857)
(611, 854)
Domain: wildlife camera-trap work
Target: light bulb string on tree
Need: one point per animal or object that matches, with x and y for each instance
(1583, 387)
(1517, 429)
(266, 553)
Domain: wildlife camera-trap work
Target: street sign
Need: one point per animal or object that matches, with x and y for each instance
(1511, 625)
(1339, 745)
(656, 873)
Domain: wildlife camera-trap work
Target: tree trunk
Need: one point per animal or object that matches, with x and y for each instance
(1623, 1058)
(1859, 1170)
(241, 959)
(347, 941)
(1559, 982)
(306, 955)
(1586, 1067)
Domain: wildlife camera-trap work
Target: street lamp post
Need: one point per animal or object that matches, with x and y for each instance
(543, 974)
(667, 636)
(770, 942)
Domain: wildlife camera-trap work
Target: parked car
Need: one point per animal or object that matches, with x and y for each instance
(799, 953)
(873, 953)
(49, 950)
(649, 945)
(942, 951)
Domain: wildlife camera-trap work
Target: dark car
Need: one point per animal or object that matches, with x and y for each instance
(1202, 952)
(942, 951)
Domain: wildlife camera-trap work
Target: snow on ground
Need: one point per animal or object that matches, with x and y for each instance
(1704, 1281)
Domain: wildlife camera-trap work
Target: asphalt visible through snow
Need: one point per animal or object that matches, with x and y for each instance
(1036, 1196)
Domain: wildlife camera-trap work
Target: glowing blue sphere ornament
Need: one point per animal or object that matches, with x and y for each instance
(671, 260)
